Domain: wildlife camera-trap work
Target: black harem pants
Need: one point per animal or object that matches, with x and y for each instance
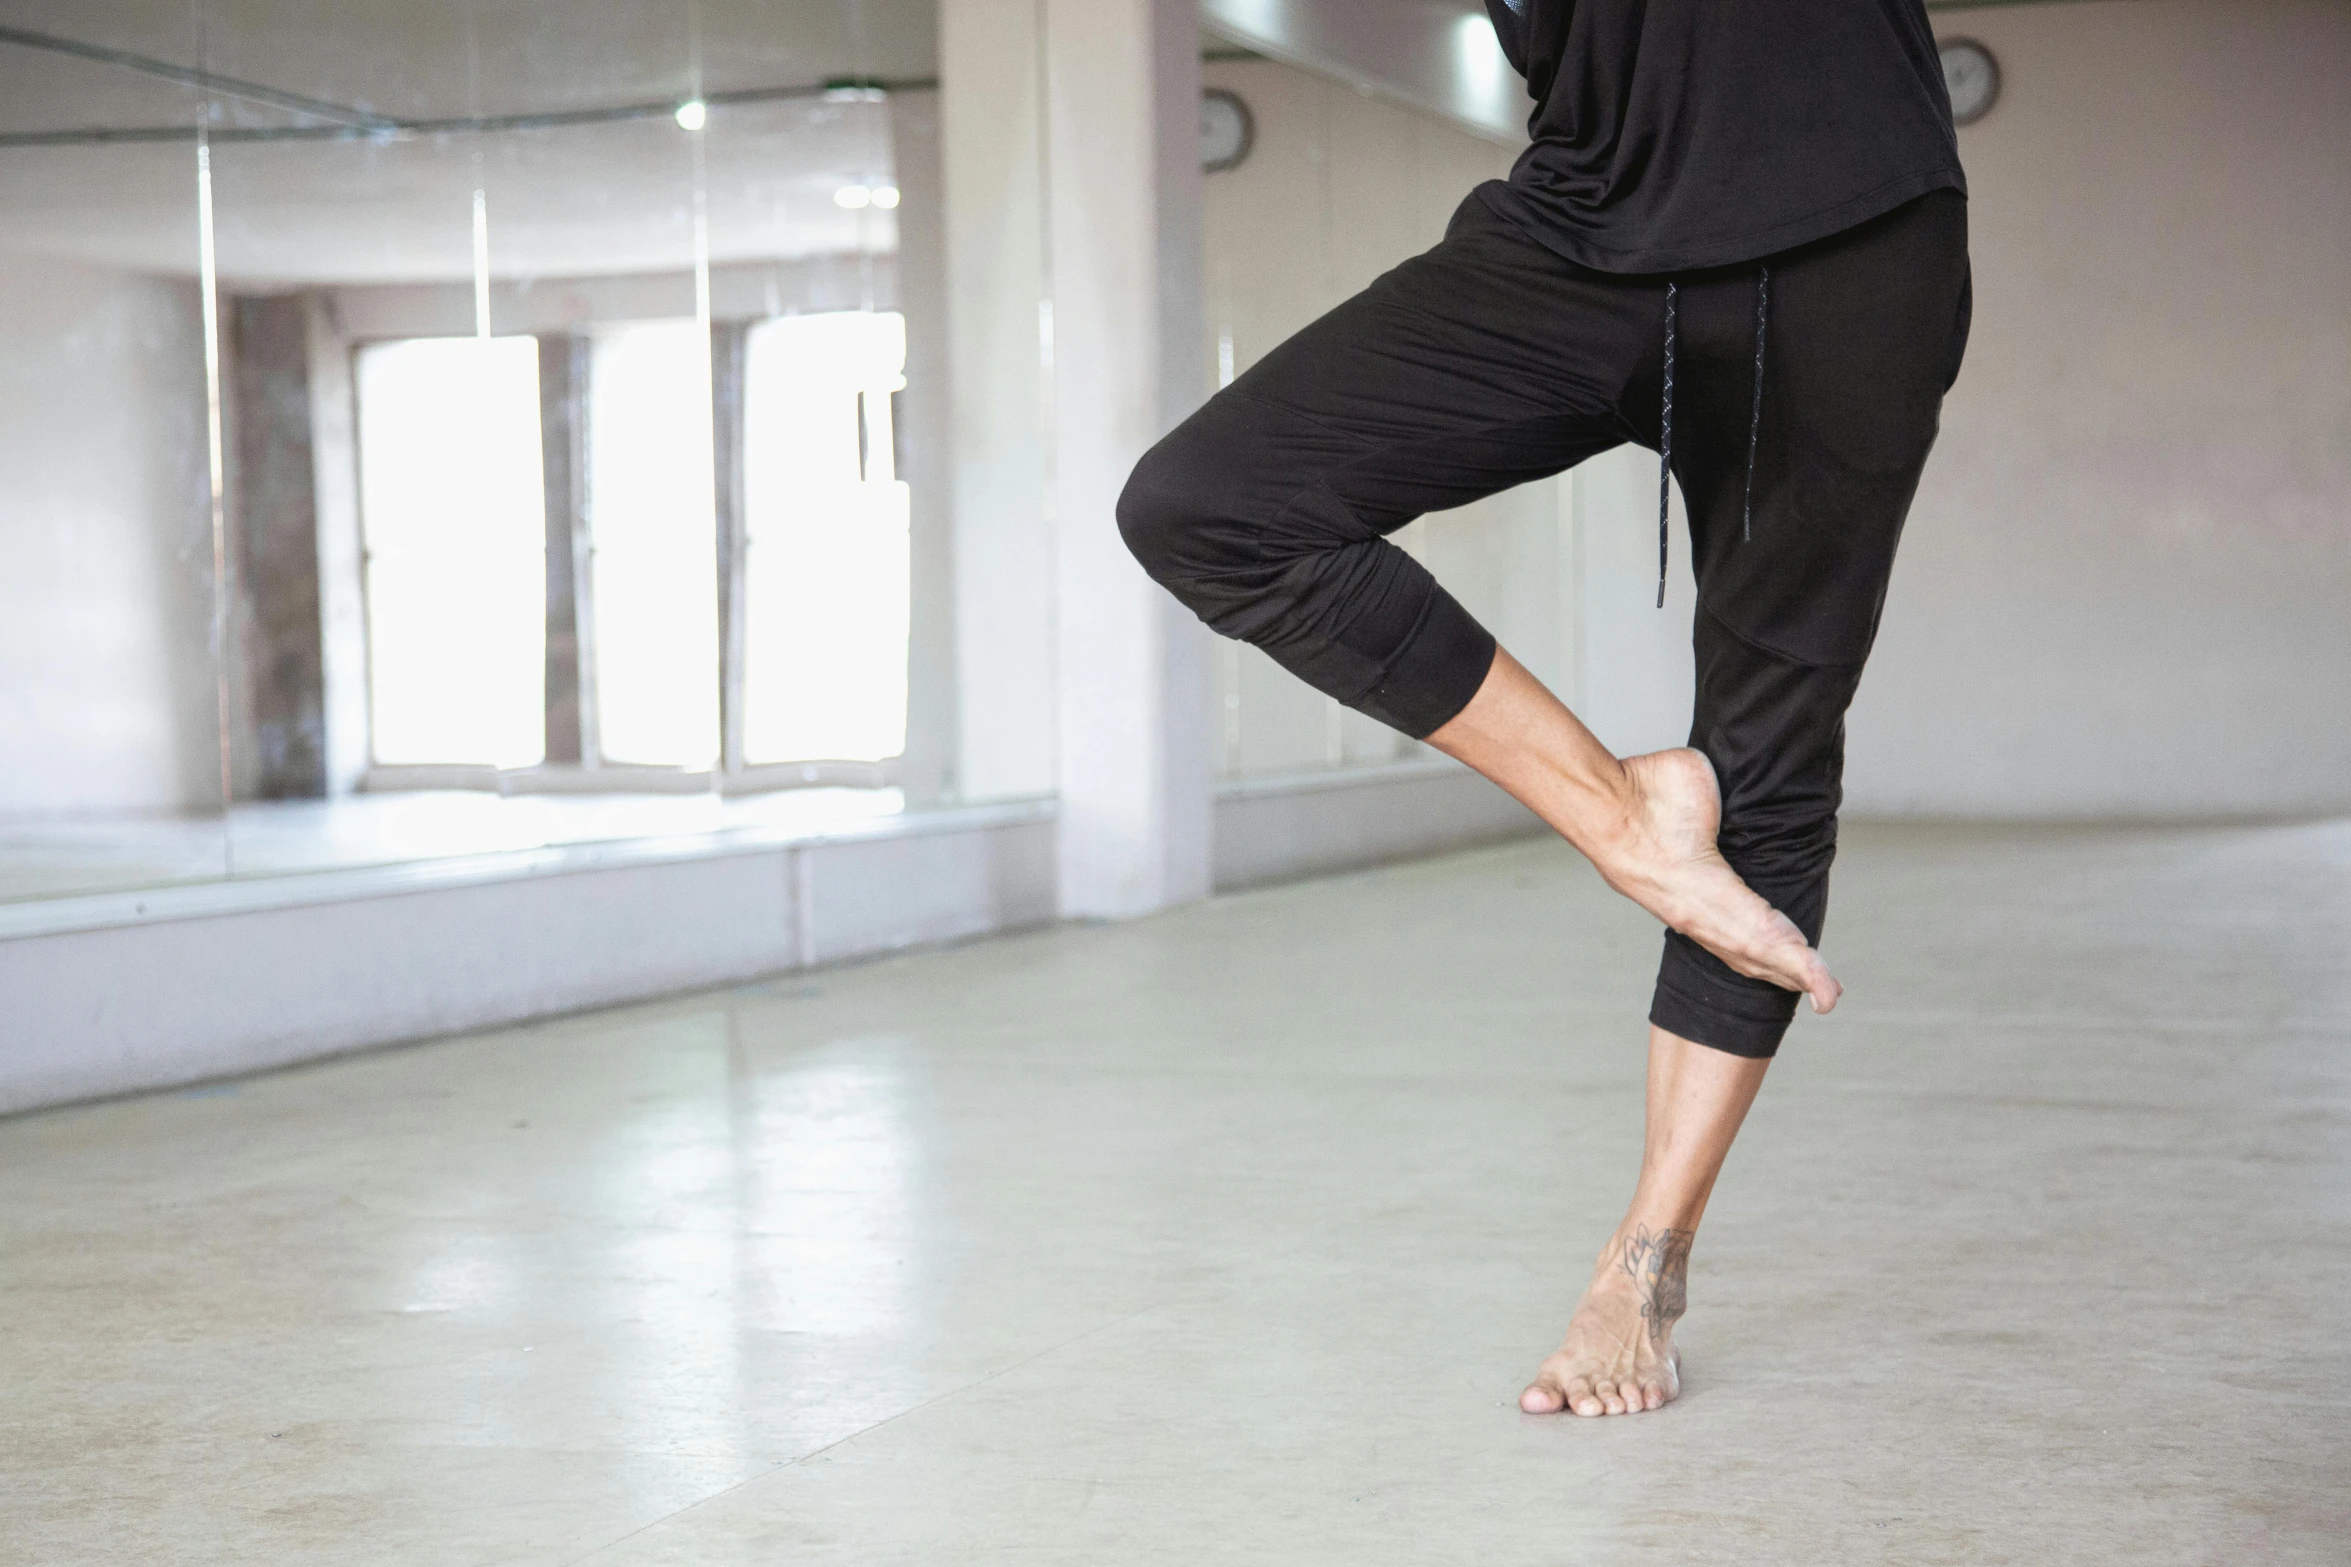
(1806, 393)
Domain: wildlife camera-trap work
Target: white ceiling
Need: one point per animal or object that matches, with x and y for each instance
(423, 59)
(583, 200)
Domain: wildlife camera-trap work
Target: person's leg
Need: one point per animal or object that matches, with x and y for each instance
(1481, 365)
(1863, 342)
(1865, 330)
(1618, 1356)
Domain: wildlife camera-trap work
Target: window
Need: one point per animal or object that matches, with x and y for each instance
(825, 516)
(454, 526)
(453, 491)
(651, 521)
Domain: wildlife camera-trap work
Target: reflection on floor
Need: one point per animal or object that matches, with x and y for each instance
(1230, 1236)
(49, 859)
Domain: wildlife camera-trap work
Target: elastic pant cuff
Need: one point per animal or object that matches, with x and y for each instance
(1434, 674)
(1739, 1030)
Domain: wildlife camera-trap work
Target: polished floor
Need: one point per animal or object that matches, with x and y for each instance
(1229, 1236)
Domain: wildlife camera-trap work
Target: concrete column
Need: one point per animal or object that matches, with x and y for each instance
(563, 429)
(342, 610)
(1070, 143)
(991, 157)
(729, 341)
(281, 733)
(1122, 94)
(927, 771)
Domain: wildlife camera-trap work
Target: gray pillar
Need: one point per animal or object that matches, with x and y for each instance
(1122, 81)
(991, 156)
(334, 443)
(927, 772)
(728, 342)
(1070, 136)
(283, 732)
(563, 446)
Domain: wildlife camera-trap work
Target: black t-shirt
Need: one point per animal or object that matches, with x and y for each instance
(1676, 134)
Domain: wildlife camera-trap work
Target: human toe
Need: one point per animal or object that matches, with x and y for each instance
(1820, 984)
(1582, 1399)
(1542, 1398)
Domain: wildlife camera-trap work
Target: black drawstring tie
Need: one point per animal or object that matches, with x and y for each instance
(1665, 422)
(1665, 446)
(1755, 414)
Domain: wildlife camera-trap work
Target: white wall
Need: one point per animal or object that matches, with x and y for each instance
(1341, 186)
(2126, 585)
(106, 675)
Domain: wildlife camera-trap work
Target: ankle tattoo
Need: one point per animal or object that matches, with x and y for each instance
(1659, 1263)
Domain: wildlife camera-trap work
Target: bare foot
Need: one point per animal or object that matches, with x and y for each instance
(1662, 855)
(1618, 1357)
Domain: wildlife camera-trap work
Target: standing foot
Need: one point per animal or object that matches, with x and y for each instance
(1618, 1357)
(1661, 853)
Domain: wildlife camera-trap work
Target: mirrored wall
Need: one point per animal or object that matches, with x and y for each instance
(446, 428)
(450, 427)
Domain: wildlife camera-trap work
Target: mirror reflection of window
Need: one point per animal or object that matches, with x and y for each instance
(454, 524)
(826, 515)
(651, 519)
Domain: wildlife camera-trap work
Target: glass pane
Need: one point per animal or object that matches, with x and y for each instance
(652, 524)
(548, 523)
(110, 694)
(437, 227)
(804, 222)
(827, 518)
(454, 522)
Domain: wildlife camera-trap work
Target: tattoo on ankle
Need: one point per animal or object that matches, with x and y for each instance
(1659, 1262)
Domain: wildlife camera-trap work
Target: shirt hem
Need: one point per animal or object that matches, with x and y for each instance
(1513, 205)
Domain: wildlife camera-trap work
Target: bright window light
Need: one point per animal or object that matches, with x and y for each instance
(454, 518)
(853, 197)
(826, 618)
(885, 196)
(651, 518)
(692, 115)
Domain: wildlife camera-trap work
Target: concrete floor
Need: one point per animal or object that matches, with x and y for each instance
(1231, 1235)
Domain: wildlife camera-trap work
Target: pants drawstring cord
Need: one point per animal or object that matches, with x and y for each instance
(1665, 447)
(1665, 422)
(1755, 414)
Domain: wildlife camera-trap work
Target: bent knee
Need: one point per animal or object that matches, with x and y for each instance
(1162, 514)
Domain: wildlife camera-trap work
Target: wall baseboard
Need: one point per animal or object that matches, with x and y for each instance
(1315, 824)
(124, 992)
(120, 992)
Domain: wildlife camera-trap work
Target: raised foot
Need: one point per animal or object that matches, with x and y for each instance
(1662, 855)
(1618, 1357)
